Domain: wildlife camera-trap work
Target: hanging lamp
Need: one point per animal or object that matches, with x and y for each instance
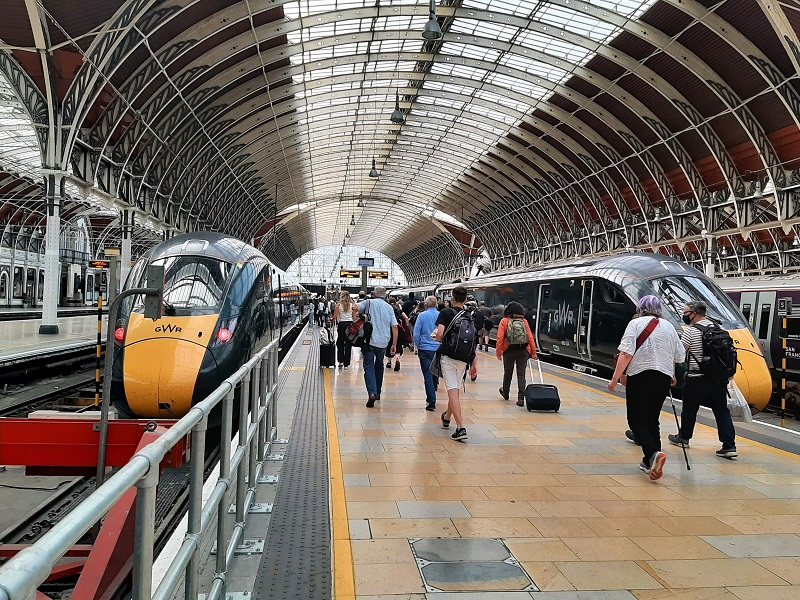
(373, 172)
(398, 118)
(433, 30)
(360, 201)
(352, 220)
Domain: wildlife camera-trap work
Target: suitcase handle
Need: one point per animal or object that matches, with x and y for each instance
(538, 364)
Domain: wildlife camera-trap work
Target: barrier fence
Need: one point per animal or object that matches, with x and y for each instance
(257, 429)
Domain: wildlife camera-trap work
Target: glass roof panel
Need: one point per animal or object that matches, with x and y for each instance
(456, 107)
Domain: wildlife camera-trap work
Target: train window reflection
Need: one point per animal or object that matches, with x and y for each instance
(763, 325)
(676, 292)
(192, 281)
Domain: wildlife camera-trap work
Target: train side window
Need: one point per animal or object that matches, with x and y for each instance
(612, 295)
(763, 326)
(746, 310)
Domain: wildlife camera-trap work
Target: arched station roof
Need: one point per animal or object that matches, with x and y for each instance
(547, 128)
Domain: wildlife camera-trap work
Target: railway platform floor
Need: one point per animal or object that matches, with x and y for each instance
(551, 506)
(21, 338)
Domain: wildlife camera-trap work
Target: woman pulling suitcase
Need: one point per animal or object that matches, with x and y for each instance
(515, 346)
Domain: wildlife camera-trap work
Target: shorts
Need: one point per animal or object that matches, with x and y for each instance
(452, 372)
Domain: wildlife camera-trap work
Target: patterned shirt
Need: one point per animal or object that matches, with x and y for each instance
(692, 339)
(381, 315)
(660, 352)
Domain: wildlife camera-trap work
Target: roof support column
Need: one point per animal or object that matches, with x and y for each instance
(52, 252)
(127, 234)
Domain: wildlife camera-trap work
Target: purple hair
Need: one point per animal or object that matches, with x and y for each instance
(650, 305)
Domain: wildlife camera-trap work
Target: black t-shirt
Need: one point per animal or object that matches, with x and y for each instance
(446, 316)
(408, 306)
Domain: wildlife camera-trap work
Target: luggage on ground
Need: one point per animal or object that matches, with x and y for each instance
(541, 396)
(327, 347)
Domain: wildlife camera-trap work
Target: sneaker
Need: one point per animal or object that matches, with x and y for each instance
(631, 437)
(644, 467)
(657, 465)
(503, 394)
(388, 365)
(445, 422)
(460, 435)
(727, 452)
(346, 368)
(397, 366)
(371, 401)
(520, 401)
(430, 407)
(675, 440)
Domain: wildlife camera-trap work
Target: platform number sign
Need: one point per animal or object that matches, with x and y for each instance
(784, 307)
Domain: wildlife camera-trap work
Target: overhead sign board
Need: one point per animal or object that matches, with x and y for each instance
(350, 273)
(365, 261)
(784, 307)
(111, 251)
(379, 274)
(99, 264)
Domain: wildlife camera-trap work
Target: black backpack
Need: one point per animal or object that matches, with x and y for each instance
(460, 337)
(719, 354)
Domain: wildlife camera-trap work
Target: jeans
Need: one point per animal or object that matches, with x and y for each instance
(344, 348)
(515, 357)
(644, 396)
(698, 391)
(431, 383)
(373, 369)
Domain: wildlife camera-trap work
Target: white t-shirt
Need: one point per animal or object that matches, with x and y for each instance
(660, 352)
(344, 314)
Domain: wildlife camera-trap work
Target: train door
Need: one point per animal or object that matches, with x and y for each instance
(747, 304)
(544, 293)
(764, 309)
(584, 329)
(559, 313)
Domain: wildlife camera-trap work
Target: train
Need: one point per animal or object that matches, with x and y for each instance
(223, 301)
(579, 310)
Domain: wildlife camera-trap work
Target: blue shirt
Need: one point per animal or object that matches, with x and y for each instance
(425, 325)
(381, 315)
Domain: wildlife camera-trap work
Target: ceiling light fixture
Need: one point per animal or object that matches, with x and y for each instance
(433, 30)
(398, 118)
(352, 220)
(373, 172)
(360, 202)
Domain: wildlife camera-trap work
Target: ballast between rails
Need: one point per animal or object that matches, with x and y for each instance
(257, 379)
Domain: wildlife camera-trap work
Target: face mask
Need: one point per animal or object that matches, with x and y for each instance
(687, 319)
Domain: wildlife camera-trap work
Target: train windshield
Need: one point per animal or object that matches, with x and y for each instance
(191, 282)
(675, 292)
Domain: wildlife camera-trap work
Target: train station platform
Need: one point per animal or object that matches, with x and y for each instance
(18, 313)
(20, 339)
(549, 506)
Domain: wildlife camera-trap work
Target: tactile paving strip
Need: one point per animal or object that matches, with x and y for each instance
(297, 560)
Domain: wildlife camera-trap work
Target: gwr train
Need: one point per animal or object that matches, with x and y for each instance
(223, 301)
(579, 310)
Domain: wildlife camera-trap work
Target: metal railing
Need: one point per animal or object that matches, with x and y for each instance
(257, 429)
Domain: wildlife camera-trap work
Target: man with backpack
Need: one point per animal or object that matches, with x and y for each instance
(455, 329)
(383, 338)
(711, 361)
(410, 304)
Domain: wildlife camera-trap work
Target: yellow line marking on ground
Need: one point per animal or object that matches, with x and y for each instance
(344, 586)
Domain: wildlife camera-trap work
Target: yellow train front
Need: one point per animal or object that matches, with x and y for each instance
(223, 301)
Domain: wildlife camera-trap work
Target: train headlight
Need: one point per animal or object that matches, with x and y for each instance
(224, 335)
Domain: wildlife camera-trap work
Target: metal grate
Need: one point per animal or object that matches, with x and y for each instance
(297, 560)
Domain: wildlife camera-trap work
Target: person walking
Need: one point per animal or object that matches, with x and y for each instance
(648, 352)
(488, 324)
(700, 389)
(384, 334)
(455, 330)
(403, 336)
(344, 314)
(514, 347)
(426, 349)
(410, 304)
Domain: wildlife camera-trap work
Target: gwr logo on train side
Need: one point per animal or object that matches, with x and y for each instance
(168, 328)
(563, 316)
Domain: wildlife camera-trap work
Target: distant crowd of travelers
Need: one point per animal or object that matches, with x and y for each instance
(447, 334)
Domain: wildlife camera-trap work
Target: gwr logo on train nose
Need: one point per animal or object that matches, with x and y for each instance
(168, 328)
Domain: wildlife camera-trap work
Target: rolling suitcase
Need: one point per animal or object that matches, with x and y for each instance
(327, 348)
(541, 396)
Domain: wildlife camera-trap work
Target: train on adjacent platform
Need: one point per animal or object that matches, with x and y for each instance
(579, 310)
(223, 301)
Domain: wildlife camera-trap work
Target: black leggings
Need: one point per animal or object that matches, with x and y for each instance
(344, 348)
(645, 393)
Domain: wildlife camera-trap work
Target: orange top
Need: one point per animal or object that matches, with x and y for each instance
(502, 343)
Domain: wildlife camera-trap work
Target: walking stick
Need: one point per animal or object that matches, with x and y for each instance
(674, 412)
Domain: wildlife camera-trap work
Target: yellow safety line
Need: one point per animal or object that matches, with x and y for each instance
(344, 586)
(771, 449)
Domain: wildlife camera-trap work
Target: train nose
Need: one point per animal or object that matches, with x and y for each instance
(753, 376)
(160, 376)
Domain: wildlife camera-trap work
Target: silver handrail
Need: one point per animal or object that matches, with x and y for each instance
(21, 575)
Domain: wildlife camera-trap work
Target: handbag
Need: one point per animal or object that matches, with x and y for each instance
(359, 331)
